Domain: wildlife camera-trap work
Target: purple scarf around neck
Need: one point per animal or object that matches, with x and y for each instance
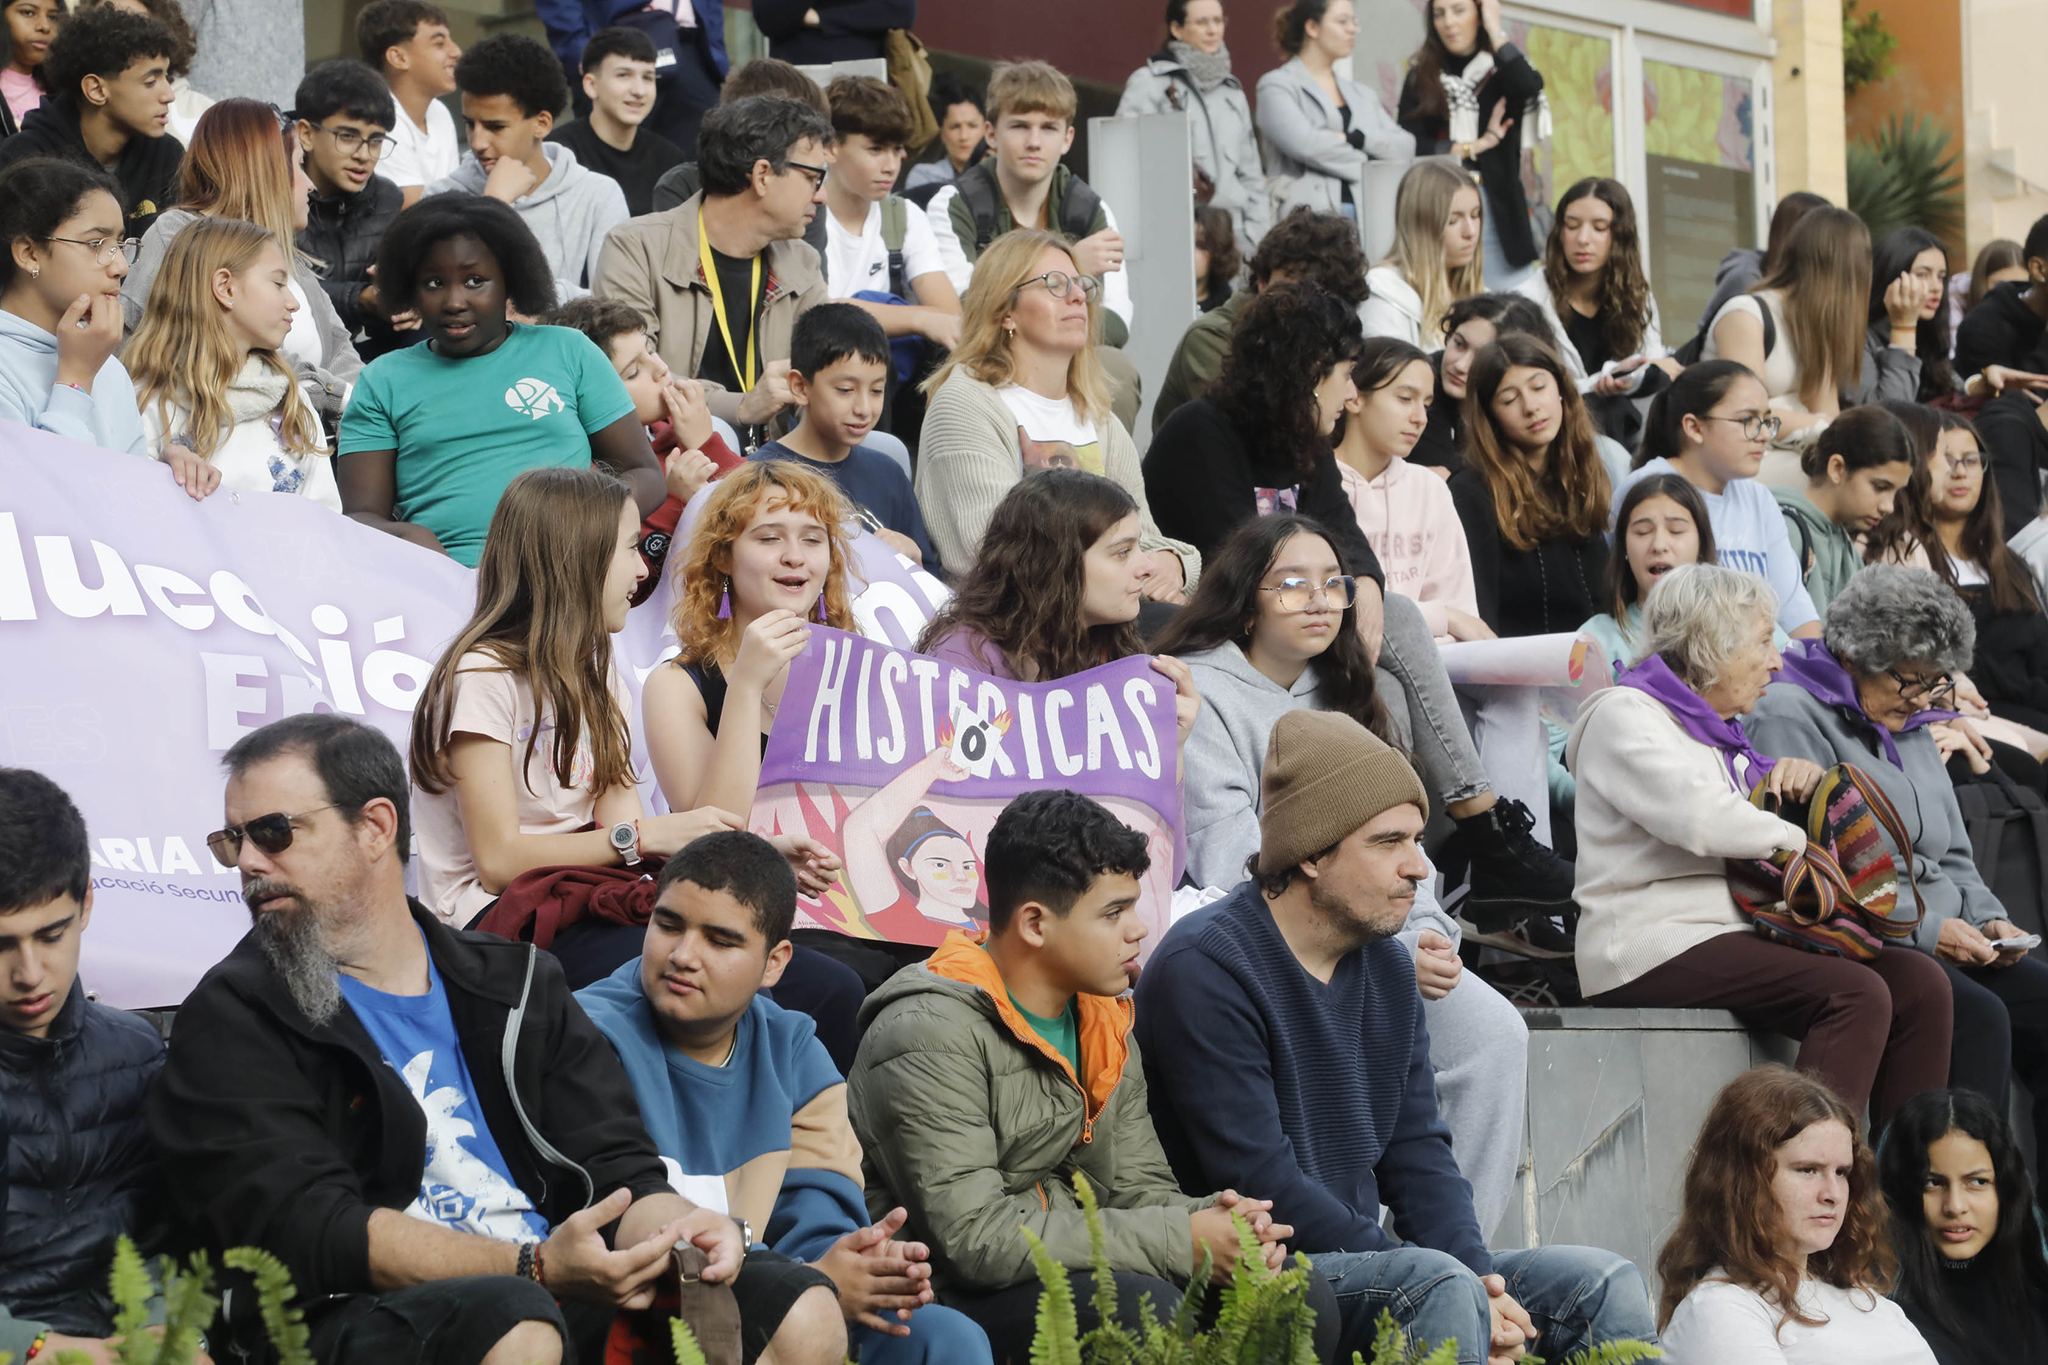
(1695, 717)
(1813, 666)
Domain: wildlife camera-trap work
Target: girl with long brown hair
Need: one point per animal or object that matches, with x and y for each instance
(1817, 300)
(1533, 494)
(521, 740)
(239, 165)
(767, 556)
(219, 404)
(1781, 1249)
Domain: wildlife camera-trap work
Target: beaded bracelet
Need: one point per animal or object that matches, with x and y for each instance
(36, 1346)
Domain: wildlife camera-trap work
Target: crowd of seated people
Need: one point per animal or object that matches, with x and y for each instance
(548, 349)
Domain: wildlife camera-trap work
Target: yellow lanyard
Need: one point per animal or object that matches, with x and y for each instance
(746, 372)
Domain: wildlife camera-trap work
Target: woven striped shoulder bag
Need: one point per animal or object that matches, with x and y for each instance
(1837, 895)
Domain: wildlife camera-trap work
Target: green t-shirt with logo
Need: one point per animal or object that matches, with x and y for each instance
(464, 429)
(1062, 1031)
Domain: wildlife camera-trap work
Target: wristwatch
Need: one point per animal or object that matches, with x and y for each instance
(626, 841)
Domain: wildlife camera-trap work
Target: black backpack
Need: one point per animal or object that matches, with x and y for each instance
(2008, 827)
(977, 185)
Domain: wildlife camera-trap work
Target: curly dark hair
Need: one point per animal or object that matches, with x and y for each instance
(37, 194)
(758, 128)
(1892, 256)
(171, 16)
(1286, 340)
(517, 66)
(1321, 248)
(1023, 593)
(385, 24)
(1225, 610)
(1049, 847)
(1215, 235)
(1623, 300)
(102, 41)
(529, 282)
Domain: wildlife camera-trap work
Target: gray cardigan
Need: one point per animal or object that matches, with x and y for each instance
(1791, 722)
(1307, 155)
(1221, 136)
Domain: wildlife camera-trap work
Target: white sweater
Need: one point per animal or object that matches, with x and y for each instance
(1658, 816)
(1719, 1323)
(251, 460)
(1393, 308)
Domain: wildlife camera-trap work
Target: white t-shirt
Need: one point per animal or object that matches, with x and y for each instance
(497, 704)
(423, 155)
(1781, 366)
(1719, 1323)
(855, 265)
(1051, 433)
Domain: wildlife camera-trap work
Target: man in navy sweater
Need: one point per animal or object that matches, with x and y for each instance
(1286, 1056)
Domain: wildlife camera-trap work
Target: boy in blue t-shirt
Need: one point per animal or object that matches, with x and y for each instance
(744, 1104)
(838, 373)
(435, 432)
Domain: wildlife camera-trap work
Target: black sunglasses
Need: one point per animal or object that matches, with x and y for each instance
(272, 833)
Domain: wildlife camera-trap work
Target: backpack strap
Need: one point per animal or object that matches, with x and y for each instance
(1806, 554)
(1770, 327)
(895, 218)
(1077, 214)
(977, 186)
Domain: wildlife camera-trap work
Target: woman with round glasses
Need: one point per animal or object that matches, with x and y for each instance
(1865, 694)
(1712, 426)
(1025, 390)
(60, 305)
(1273, 627)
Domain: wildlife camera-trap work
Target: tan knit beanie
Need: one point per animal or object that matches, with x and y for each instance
(1325, 776)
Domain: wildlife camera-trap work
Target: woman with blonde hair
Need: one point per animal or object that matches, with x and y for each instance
(522, 751)
(1024, 390)
(219, 404)
(767, 556)
(1781, 1251)
(239, 165)
(1436, 259)
(1816, 303)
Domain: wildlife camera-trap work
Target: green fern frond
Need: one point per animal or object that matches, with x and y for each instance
(1109, 1342)
(684, 1343)
(70, 1358)
(284, 1324)
(128, 1281)
(1623, 1352)
(1057, 1331)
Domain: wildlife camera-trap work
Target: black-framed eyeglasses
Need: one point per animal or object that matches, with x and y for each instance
(817, 173)
(1937, 692)
(272, 833)
(1060, 284)
(348, 141)
(1753, 427)
(103, 248)
(1299, 594)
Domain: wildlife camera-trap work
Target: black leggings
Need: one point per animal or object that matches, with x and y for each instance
(2002, 1032)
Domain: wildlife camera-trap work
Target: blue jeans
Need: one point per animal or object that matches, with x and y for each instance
(1578, 1297)
(938, 1336)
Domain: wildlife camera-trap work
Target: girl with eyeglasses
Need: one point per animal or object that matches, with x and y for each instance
(1273, 627)
(60, 305)
(242, 164)
(1024, 390)
(1712, 426)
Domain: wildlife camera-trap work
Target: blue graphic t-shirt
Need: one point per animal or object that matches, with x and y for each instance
(466, 1184)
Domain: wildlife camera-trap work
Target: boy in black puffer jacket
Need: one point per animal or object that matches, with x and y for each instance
(345, 118)
(79, 1166)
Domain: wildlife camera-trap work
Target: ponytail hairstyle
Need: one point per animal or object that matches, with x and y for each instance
(1784, 218)
(1865, 436)
(1621, 579)
(540, 617)
(1422, 206)
(1225, 610)
(1825, 280)
(239, 166)
(1571, 498)
(1426, 68)
(1290, 23)
(1622, 302)
(181, 353)
(1506, 310)
(1379, 363)
(1892, 257)
(1694, 393)
(2001, 253)
(1283, 346)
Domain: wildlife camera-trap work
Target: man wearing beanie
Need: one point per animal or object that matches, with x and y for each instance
(1286, 1056)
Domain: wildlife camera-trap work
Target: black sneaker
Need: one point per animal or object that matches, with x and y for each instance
(1511, 873)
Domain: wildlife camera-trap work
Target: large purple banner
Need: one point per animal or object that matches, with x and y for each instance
(901, 764)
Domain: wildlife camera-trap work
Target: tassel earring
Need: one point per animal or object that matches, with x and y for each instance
(725, 602)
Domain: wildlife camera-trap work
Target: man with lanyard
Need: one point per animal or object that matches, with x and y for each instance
(721, 278)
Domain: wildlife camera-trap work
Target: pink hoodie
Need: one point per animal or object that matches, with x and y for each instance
(1407, 515)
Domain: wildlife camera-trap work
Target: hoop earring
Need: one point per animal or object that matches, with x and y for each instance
(725, 601)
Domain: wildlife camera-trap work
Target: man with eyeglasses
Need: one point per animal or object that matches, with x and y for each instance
(721, 277)
(345, 116)
(73, 1074)
(421, 1122)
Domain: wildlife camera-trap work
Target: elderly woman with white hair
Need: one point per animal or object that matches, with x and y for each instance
(1664, 771)
(1866, 693)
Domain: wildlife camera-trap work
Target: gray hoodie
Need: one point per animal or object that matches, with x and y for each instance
(1221, 763)
(569, 212)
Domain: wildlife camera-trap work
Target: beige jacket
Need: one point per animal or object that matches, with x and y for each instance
(652, 264)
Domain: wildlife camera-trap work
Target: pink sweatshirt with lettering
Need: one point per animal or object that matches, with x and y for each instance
(1407, 515)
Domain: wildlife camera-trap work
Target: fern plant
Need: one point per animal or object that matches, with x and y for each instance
(1906, 177)
(284, 1324)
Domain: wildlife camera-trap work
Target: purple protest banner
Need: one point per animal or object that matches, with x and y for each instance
(901, 763)
(144, 633)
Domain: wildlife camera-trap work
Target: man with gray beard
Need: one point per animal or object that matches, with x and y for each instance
(420, 1122)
